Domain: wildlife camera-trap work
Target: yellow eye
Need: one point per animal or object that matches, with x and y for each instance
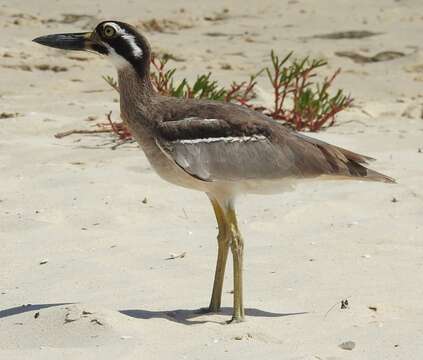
(109, 31)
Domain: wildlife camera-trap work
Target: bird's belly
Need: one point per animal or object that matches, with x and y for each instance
(264, 186)
(171, 172)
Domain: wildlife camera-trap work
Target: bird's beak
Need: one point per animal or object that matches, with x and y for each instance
(72, 41)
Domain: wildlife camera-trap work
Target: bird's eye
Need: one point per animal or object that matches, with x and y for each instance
(109, 31)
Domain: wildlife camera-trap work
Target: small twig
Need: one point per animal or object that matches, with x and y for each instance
(179, 256)
(109, 119)
(185, 213)
(75, 131)
(120, 129)
(122, 142)
(337, 303)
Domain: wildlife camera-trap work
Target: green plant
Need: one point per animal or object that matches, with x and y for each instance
(311, 106)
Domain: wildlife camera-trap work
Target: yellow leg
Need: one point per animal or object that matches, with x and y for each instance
(237, 248)
(223, 248)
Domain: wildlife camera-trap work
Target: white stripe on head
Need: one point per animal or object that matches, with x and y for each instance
(136, 50)
(114, 26)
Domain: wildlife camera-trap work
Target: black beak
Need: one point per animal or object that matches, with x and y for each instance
(73, 41)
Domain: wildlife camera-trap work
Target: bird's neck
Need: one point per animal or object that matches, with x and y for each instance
(136, 94)
(138, 105)
(135, 87)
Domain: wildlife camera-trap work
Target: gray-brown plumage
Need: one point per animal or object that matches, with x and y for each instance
(219, 148)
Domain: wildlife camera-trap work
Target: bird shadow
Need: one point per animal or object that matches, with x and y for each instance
(188, 316)
(181, 316)
(26, 308)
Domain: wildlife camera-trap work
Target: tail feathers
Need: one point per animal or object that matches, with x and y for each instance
(341, 153)
(376, 176)
(353, 162)
(346, 163)
(358, 158)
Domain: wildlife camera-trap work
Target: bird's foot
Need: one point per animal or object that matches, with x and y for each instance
(236, 320)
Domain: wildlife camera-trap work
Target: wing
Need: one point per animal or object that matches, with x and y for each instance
(221, 149)
(228, 158)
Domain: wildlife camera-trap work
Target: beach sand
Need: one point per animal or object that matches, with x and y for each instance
(86, 231)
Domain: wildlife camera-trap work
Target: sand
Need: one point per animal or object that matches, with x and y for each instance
(84, 271)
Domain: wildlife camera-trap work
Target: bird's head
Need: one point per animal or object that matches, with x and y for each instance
(119, 42)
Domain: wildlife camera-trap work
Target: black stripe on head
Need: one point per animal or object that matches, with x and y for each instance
(123, 40)
(99, 49)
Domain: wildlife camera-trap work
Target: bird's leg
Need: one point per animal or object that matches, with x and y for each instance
(223, 248)
(237, 247)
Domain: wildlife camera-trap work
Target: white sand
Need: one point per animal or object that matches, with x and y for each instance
(106, 290)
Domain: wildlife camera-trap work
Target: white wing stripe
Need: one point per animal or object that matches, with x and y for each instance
(228, 139)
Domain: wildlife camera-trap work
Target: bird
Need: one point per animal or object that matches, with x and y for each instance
(222, 149)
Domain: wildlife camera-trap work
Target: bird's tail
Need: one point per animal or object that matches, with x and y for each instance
(376, 176)
(357, 169)
(345, 163)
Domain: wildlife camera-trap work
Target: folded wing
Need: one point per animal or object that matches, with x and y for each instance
(220, 149)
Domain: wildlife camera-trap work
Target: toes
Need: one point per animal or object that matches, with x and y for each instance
(236, 320)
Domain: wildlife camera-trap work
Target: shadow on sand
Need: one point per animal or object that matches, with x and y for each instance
(181, 316)
(187, 317)
(25, 308)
